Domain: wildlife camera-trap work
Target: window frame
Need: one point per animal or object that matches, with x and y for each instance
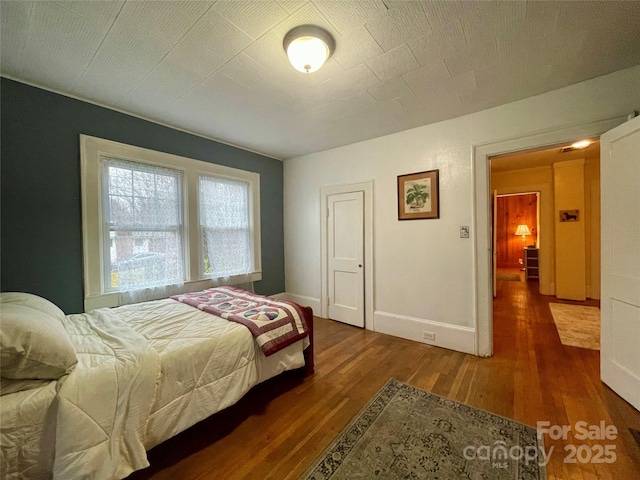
(92, 150)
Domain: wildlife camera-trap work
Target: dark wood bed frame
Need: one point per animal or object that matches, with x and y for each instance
(309, 366)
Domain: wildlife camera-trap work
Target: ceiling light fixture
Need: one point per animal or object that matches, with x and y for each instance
(308, 47)
(579, 145)
(582, 144)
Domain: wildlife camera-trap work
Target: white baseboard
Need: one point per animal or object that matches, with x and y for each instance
(312, 302)
(453, 337)
(279, 296)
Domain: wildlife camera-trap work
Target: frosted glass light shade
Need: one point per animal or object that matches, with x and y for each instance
(307, 54)
(308, 47)
(581, 144)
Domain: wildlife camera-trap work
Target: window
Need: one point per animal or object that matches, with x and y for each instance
(157, 221)
(143, 217)
(225, 227)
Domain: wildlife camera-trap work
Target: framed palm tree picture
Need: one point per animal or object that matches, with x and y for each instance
(418, 196)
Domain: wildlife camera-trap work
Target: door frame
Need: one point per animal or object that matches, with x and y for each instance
(514, 192)
(483, 258)
(325, 191)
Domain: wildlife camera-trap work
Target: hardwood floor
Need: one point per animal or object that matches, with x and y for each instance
(280, 427)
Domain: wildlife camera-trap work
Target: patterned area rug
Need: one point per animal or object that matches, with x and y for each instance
(509, 277)
(407, 433)
(578, 326)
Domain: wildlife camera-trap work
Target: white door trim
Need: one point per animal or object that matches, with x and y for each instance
(325, 191)
(494, 242)
(483, 262)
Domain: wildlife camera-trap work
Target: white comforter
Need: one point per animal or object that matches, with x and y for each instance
(208, 363)
(104, 403)
(27, 430)
(146, 372)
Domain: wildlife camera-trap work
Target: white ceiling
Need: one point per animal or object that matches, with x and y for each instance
(218, 68)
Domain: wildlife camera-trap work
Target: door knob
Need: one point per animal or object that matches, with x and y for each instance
(360, 265)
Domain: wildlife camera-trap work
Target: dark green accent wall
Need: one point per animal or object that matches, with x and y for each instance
(41, 249)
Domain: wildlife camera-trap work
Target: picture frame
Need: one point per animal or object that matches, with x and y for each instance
(569, 216)
(419, 195)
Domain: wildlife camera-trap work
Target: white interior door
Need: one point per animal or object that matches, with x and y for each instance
(620, 296)
(345, 242)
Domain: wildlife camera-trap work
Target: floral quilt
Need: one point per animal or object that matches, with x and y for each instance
(274, 324)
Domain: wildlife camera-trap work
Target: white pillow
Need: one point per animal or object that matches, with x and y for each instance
(32, 301)
(10, 385)
(33, 340)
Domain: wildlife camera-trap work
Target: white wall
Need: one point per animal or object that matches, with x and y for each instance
(423, 272)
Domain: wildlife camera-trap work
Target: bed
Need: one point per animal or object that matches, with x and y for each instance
(110, 384)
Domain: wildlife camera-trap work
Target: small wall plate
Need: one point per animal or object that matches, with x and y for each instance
(464, 232)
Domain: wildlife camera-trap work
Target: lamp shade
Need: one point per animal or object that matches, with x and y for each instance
(308, 47)
(522, 230)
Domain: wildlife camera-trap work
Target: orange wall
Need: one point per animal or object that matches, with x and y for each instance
(541, 179)
(571, 259)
